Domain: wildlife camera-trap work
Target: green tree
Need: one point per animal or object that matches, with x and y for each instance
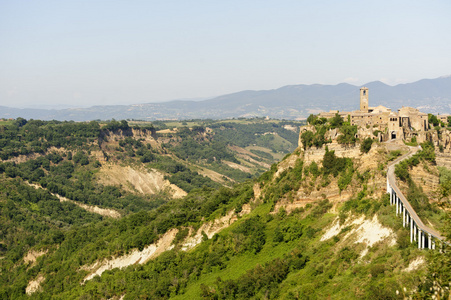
(433, 120)
(348, 134)
(307, 139)
(366, 145)
(439, 265)
(312, 119)
(336, 121)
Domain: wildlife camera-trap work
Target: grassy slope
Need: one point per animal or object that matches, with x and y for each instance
(330, 271)
(346, 280)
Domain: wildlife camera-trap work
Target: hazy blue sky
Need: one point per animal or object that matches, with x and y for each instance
(122, 52)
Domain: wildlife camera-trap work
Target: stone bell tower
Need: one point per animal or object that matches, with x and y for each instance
(364, 99)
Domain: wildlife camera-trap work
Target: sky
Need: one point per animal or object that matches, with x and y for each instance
(90, 52)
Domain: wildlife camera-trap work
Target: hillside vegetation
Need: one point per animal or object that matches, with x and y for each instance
(316, 225)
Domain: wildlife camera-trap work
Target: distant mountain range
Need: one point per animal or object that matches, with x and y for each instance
(288, 102)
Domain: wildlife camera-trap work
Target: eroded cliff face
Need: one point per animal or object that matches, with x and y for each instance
(138, 180)
(426, 176)
(318, 188)
(442, 138)
(317, 154)
(443, 159)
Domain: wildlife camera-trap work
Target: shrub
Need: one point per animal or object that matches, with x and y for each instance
(345, 179)
(403, 239)
(376, 270)
(307, 139)
(347, 254)
(250, 235)
(336, 121)
(348, 135)
(401, 171)
(333, 164)
(366, 145)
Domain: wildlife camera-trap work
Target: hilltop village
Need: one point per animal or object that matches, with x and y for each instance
(383, 124)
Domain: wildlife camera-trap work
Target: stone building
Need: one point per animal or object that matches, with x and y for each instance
(406, 123)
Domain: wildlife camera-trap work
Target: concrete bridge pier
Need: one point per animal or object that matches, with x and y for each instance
(397, 204)
(419, 239)
(422, 239)
(401, 206)
(415, 229)
(411, 231)
(403, 216)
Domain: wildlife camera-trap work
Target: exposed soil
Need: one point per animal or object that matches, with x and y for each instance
(291, 127)
(24, 158)
(106, 212)
(134, 257)
(368, 232)
(34, 285)
(210, 228)
(415, 264)
(248, 156)
(138, 181)
(32, 255)
(215, 176)
(166, 131)
(237, 166)
(163, 244)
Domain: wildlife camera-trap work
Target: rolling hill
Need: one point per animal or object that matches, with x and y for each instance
(288, 102)
(82, 217)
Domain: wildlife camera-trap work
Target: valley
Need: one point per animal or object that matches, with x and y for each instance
(213, 210)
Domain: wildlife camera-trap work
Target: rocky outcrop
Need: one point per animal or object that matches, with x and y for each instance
(317, 154)
(314, 189)
(427, 178)
(443, 159)
(287, 163)
(136, 256)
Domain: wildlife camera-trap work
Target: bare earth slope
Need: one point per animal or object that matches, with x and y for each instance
(138, 180)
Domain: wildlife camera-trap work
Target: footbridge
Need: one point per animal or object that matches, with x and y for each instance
(425, 236)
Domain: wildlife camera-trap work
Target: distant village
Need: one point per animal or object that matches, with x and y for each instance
(406, 124)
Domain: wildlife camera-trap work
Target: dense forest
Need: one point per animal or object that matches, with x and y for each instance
(267, 252)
